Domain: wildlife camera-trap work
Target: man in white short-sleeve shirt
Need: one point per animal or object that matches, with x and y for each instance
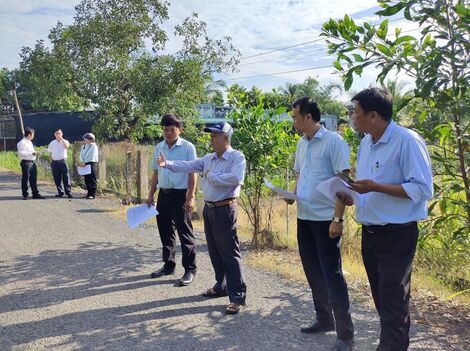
(58, 151)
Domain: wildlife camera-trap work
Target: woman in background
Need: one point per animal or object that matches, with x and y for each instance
(89, 156)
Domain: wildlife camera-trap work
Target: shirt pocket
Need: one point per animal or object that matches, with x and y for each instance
(320, 166)
(389, 172)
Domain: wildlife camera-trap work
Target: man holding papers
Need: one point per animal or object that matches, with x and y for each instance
(395, 180)
(319, 156)
(175, 200)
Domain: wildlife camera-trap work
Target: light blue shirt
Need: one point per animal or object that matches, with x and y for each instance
(223, 176)
(317, 160)
(399, 157)
(89, 153)
(181, 150)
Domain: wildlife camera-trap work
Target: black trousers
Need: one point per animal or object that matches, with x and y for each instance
(60, 172)
(220, 226)
(321, 260)
(172, 215)
(29, 172)
(90, 179)
(388, 253)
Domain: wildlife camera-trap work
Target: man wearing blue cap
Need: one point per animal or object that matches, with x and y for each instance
(223, 174)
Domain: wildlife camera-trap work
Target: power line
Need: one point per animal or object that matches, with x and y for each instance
(317, 50)
(273, 74)
(296, 45)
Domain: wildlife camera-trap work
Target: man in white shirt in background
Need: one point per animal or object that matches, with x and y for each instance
(58, 151)
(27, 155)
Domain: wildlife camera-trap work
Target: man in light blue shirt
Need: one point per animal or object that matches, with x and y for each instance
(224, 171)
(395, 174)
(319, 156)
(175, 201)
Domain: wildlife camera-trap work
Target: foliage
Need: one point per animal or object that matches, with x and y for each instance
(111, 58)
(286, 96)
(438, 61)
(268, 146)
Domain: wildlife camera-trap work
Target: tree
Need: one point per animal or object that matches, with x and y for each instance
(44, 81)
(268, 146)
(111, 56)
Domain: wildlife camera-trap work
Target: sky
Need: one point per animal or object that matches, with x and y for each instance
(255, 26)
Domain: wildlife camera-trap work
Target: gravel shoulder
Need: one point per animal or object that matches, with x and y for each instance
(73, 277)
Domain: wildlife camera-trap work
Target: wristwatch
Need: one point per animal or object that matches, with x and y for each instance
(337, 220)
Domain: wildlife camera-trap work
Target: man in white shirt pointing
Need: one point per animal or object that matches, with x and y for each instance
(27, 155)
(58, 151)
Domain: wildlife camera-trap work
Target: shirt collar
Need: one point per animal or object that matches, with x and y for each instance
(385, 138)
(225, 155)
(318, 135)
(179, 141)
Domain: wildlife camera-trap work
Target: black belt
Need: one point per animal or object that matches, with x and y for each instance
(63, 160)
(27, 160)
(391, 226)
(172, 191)
(220, 203)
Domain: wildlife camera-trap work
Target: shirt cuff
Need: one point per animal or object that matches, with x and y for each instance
(169, 164)
(413, 191)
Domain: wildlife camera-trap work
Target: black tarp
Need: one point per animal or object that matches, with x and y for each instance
(73, 124)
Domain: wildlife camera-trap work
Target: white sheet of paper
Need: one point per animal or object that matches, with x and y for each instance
(281, 192)
(139, 214)
(84, 170)
(330, 187)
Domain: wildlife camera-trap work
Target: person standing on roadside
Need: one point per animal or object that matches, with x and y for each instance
(223, 174)
(319, 156)
(29, 172)
(175, 202)
(58, 151)
(395, 182)
(89, 156)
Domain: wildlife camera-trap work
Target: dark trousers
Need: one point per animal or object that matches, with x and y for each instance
(60, 173)
(220, 226)
(29, 172)
(90, 179)
(388, 254)
(172, 215)
(321, 259)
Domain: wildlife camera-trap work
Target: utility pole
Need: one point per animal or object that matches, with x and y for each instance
(20, 116)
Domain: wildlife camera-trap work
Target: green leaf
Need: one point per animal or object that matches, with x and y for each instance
(384, 49)
(337, 65)
(358, 58)
(348, 80)
(403, 39)
(390, 11)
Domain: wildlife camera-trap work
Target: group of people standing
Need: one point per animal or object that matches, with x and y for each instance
(57, 150)
(394, 184)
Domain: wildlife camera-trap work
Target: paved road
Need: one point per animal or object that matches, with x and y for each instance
(72, 277)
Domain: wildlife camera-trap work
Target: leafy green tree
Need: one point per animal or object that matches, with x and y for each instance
(268, 146)
(44, 81)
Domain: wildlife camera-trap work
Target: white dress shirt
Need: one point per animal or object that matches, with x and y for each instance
(58, 149)
(399, 157)
(25, 150)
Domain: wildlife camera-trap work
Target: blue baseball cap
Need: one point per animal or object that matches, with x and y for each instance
(225, 128)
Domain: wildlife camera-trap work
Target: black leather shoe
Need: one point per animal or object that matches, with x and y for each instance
(187, 278)
(343, 345)
(161, 272)
(25, 197)
(70, 196)
(316, 327)
(38, 197)
(59, 195)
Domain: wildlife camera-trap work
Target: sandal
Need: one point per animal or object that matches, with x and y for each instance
(233, 308)
(211, 293)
